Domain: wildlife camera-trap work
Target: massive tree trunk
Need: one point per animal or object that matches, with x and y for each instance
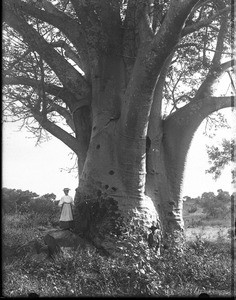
(131, 159)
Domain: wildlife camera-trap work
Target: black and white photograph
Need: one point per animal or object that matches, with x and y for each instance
(118, 148)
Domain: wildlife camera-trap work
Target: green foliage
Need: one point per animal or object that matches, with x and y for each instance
(212, 206)
(13, 199)
(192, 209)
(99, 214)
(216, 206)
(42, 207)
(219, 157)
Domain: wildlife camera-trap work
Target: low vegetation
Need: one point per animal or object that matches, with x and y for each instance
(202, 266)
(208, 210)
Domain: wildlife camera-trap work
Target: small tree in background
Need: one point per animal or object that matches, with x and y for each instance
(216, 206)
(14, 200)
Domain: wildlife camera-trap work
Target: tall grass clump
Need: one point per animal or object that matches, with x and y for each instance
(22, 227)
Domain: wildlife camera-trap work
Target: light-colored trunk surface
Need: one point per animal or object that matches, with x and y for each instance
(116, 193)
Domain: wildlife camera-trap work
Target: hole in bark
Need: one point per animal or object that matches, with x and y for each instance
(114, 188)
(170, 213)
(94, 127)
(106, 186)
(111, 172)
(172, 203)
(98, 146)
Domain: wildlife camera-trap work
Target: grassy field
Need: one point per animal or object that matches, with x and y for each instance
(204, 266)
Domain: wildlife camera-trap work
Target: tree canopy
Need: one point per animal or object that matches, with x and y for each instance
(45, 47)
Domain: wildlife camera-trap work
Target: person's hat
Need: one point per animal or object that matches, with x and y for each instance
(66, 189)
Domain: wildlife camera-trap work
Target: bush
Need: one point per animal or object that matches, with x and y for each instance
(192, 209)
(42, 206)
(15, 200)
(24, 201)
(216, 206)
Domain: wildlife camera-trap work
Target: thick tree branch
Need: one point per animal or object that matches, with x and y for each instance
(149, 62)
(94, 35)
(190, 116)
(154, 134)
(203, 23)
(102, 26)
(60, 20)
(54, 90)
(69, 77)
(64, 113)
(179, 129)
(215, 70)
(69, 52)
(58, 132)
(85, 13)
(227, 65)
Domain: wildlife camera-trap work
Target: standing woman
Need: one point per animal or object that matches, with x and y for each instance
(66, 202)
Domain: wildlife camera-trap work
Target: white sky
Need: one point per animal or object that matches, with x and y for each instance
(37, 169)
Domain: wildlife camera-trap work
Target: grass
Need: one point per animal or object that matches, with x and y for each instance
(203, 266)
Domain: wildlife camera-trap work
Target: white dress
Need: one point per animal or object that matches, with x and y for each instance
(66, 203)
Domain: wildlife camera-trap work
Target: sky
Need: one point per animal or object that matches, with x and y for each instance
(38, 168)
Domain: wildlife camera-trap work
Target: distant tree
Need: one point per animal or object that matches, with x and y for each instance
(186, 198)
(190, 199)
(190, 205)
(44, 205)
(51, 196)
(192, 209)
(223, 196)
(215, 206)
(15, 200)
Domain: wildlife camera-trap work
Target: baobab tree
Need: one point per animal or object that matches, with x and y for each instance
(133, 79)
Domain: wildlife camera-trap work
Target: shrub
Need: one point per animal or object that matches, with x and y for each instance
(216, 206)
(15, 200)
(42, 206)
(192, 209)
